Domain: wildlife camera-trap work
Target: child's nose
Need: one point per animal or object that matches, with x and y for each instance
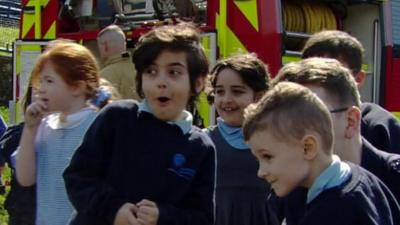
(262, 172)
(162, 81)
(227, 97)
(40, 89)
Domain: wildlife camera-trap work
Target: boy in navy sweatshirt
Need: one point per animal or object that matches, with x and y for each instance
(145, 163)
(336, 87)
(378, 126)
(290, 132)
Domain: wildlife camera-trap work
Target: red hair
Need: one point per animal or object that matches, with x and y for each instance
(73, 62)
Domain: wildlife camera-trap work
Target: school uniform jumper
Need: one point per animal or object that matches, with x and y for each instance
(384, 165)
(363, 199)
(129, 155)
(380, 128)
(241, 197)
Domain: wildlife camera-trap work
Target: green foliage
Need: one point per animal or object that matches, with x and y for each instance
(9, 34)
(3, 212)
(5, 176)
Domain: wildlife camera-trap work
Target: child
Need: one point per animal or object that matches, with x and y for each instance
(378, 125)
(66, 76)
(145, 163)
(290, 132)
(240, 195)
(336, 87)
(20, 202)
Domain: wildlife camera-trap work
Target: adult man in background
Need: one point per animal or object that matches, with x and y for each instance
(117, 65)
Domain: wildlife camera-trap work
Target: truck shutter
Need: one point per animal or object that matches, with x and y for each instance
(396, 28)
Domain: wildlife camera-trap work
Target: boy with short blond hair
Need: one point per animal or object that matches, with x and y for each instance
(295, 149)
(335, 85)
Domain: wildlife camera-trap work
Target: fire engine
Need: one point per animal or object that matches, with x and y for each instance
(274, 29)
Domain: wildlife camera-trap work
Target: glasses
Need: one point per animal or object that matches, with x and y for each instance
(339, 110)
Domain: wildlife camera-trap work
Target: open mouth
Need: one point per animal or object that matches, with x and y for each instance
(163, 99)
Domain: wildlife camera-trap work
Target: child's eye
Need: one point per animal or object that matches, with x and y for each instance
(238, 92)
(219, 92)
(266, 157)
(45, 81)
(149, 71)
(174, 72)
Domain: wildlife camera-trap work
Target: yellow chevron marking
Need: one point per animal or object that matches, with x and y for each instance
(28, 23)
(235, 46)
(397, 114)
(45, 2)
(51, 32)
(38, 20)
(220, 24)
(249, 9)
(228, 42)
(29, 19)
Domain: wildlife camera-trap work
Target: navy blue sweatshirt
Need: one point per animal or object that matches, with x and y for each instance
(129, 155)
(385, 166)
(380, 128)
(363, 199)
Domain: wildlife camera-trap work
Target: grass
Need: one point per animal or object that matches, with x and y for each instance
(5, 176)
(9, 35)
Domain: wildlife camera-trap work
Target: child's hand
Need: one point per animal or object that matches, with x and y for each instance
(147, 213)
(34, 113)
(126, 215)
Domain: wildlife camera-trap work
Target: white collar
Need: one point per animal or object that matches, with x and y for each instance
(72, 120)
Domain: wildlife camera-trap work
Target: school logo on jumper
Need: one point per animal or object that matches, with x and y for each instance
(178, 161)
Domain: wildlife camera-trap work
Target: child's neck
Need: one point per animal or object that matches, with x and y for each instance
(74, 107)
(320, 163)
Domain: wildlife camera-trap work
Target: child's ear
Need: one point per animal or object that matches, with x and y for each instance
(200, 81)
(310, 147)
(353, 119)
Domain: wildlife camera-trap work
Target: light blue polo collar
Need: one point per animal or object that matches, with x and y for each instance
(336, 173)
(185, 124)
(232, 135)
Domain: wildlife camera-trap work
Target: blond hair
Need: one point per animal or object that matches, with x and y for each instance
(327, 73)
(289, 111)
